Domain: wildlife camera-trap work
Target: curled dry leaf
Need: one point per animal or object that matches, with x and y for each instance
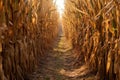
(0, 47)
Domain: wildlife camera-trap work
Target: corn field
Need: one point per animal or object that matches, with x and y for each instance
(29, 29)
(95, 35)
(24, 29)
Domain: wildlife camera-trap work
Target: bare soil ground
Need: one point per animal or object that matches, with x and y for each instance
(57, 64)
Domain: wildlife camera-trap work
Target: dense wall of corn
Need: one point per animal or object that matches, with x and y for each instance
(93, 26)
(27, 29)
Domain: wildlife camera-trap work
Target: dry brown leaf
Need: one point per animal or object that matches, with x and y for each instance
(0, 47)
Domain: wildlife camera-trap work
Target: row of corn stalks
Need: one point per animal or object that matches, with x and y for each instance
(27, 29)
(95, 35)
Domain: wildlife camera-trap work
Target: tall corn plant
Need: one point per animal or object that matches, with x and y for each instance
(96, 25)
(23, 35)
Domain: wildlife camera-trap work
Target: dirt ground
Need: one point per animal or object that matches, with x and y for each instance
(57, 64)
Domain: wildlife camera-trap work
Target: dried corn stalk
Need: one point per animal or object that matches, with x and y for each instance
(25, 26)
(95, 27)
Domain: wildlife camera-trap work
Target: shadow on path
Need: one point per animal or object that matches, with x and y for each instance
(56, 64)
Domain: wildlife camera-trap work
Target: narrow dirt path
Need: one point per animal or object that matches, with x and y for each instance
(56, 65)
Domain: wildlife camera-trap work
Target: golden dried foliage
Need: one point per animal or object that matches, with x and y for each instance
(27, 30)
(94, 27)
